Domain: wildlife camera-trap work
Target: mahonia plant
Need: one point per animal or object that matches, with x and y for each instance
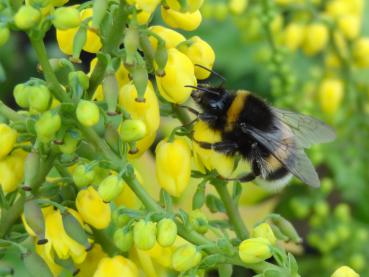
(72, 198)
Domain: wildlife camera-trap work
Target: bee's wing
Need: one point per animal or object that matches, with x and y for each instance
(306, 129)
(288, 152)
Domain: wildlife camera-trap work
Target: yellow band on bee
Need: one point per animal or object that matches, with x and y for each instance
(235, 109)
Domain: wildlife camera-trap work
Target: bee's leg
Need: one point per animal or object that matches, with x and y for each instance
(207, 117)
(226, 147)
(246, 178)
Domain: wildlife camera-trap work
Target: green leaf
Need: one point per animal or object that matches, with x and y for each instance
(273, 273)
(35, 265)
(184, 217)
(292, 264)
(166, 200)
(279, 255)
(237, 190)
(199, 197)
(214, 204)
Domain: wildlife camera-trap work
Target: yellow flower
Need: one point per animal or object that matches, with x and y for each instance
(293, 36)
(27, 17)
(92, 208)
(185, 258)
(8, 138)
(238, 6)
(185, 21)
(209, 159)
(89, 265)
(45, 251)
(264, 230)
(147, 111)
(191, 5)
(8, 179)
(345, 271)
(64, 246)
(173, 165)
(361, 52)
(255, 250)
(65, 37)
(179, 72)
(116, 266)
(349, 25)
(200, 53)
(145, 8)
(316, 38)
(171, 37)
(330, 95)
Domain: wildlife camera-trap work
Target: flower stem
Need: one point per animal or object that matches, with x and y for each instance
(9, 113)
(232, 211)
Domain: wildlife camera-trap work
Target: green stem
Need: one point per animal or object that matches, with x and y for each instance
(54, 85)
(10, 216)
(111, 44)
(9, 113)
(105, 241)
(232, 211)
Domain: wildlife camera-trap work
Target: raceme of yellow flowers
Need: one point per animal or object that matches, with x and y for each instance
(66, 155)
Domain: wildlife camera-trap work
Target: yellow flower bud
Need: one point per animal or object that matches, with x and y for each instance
(167, 232)
(360, 52)
(38, 98)
(92, 208)
(185, 21)
(191, 5)
(173, 165)
(66, 18)
(185, 258)
(110, 188)
(8, 137)
(255, 250)
(47, 126)
(70, 142)
(349, 25)
(345, 271)
(179, 72)
(200, 53)
(293, 36)
(116, 266)
(264, 230)
(26, 17)
(144, 234)
(65, 37)
(209, 159)
(171, 37)
(123, 239)
(4, 35)
(147, 111)
(316, 38)
(87, 113)
(237, 7)
(132, 130)
(82, 176)
(21, 95)
(330, 95)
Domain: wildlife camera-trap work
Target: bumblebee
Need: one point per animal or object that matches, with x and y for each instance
(272, 140)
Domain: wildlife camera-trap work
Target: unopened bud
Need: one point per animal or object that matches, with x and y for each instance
(78, 79)
(27, 17)
(185, 258)
(47, 126)
(88, 113)
(120, 219)
(144, 234)
(70, 142)
(62, 68)
(123, 239)
(82, 176)
(74, 230)
(4, 35)
(345, 271)
(255, 250)
(21, 95)
(132, 130)
(66, 18)
(264, 230)
(110, 188)
(35, 220)
(166, 232)
(39, 98)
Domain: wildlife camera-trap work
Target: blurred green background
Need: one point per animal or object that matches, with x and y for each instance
(333, 220)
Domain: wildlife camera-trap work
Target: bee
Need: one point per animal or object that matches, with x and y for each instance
(272, 140)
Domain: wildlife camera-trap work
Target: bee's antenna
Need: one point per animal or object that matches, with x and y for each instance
(213, 72)
(202, 89)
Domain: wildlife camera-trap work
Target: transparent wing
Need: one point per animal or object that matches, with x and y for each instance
(288, 152)
(306, 129)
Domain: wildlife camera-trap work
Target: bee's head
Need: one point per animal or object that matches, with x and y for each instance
(210, 99)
